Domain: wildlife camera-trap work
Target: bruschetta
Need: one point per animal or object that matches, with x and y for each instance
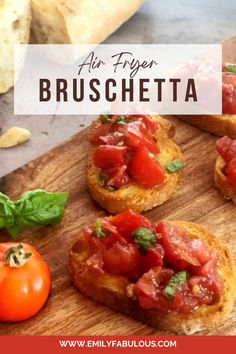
(225, 167)
(173, 275)
(133, 163)
(224, 124)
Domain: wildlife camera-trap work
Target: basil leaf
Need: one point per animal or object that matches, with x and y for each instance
(38, 207)
(121, 120)
(105, 118)
(99, 231)
(174, 282)
(110, 188)
(133, 119)
(8, 216)
(174, 166)
(144, 238)
(230, 67)
(102, 179)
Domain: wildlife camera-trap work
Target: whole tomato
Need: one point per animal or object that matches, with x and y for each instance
(24, 282)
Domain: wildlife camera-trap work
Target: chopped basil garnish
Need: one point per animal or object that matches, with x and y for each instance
(110, 188)
(105, 118)
(230, 67)
(144, 238)
(102, 179)
(174, 166)
(173, 284)
(121, 120)
(133, 120)
(99, 231)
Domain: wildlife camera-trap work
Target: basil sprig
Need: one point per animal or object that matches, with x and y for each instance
(33, 208)
(144, 238)
(105, 118)
(174, 282)
(230, 67)
(99, 231)
(121, 120)
(174, 166)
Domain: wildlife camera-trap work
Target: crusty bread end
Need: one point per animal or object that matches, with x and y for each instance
(111, 290)
(217, 124)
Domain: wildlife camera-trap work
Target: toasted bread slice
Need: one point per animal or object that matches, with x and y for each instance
(116, 291)
(133, 196)
(217, 124)
(228, 191)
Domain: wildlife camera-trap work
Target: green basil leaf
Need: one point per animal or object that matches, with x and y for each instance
(105, 118)
(230, 67)
(174, 282)
(144, 238)
(174, 166)
(8, 216)
(102, 179)
(38, 207)
(121, 120)
(99, 231)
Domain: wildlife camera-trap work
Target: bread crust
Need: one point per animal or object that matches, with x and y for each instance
(217, 124)
(134, 196)
(111, 290)
(228, 191)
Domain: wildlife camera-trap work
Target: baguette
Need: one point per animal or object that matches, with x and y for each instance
(228, 191)
(134, 196)
(15, 19)
(217, 124)
(112, 290)
(78, 21)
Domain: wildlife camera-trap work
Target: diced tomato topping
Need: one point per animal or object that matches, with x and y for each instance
(117, 177)
(134, 138)
(150, 124)
(153, 257)
(175, 241)
(108, 156)
(123, 259)
(145, 169)
(199, 250)
(128, 221)
(112, 138)
(231, 172)
(226, 148)
(101, 132)
(229, 94)
(102, 242)
(95, 263)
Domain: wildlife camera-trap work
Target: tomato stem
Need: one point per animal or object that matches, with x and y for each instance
(16, 256)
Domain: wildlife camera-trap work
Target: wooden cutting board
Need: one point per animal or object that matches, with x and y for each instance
(67, 312)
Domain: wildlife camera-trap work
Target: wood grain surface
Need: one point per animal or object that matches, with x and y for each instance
(67, 312)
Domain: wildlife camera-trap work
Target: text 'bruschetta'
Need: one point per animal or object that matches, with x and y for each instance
(133, 163)
(173, 275)
(225, 168)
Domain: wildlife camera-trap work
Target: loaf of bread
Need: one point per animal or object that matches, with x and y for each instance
(15, 17)
(78, 21)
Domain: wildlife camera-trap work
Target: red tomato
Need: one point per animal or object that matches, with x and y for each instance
(128, 221)
(102, 131)
(24, 289)
(122, 258)
(95, 263)
(102, 242)
(149, 123)
(145, 169)
(112, 138)
(117, 177)
(153, 257)
(199, 250)
(229, 94)
(175, 241)
(226, 148)
(149, 289)
(134, 138)
(231, 172)
(108, 156)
